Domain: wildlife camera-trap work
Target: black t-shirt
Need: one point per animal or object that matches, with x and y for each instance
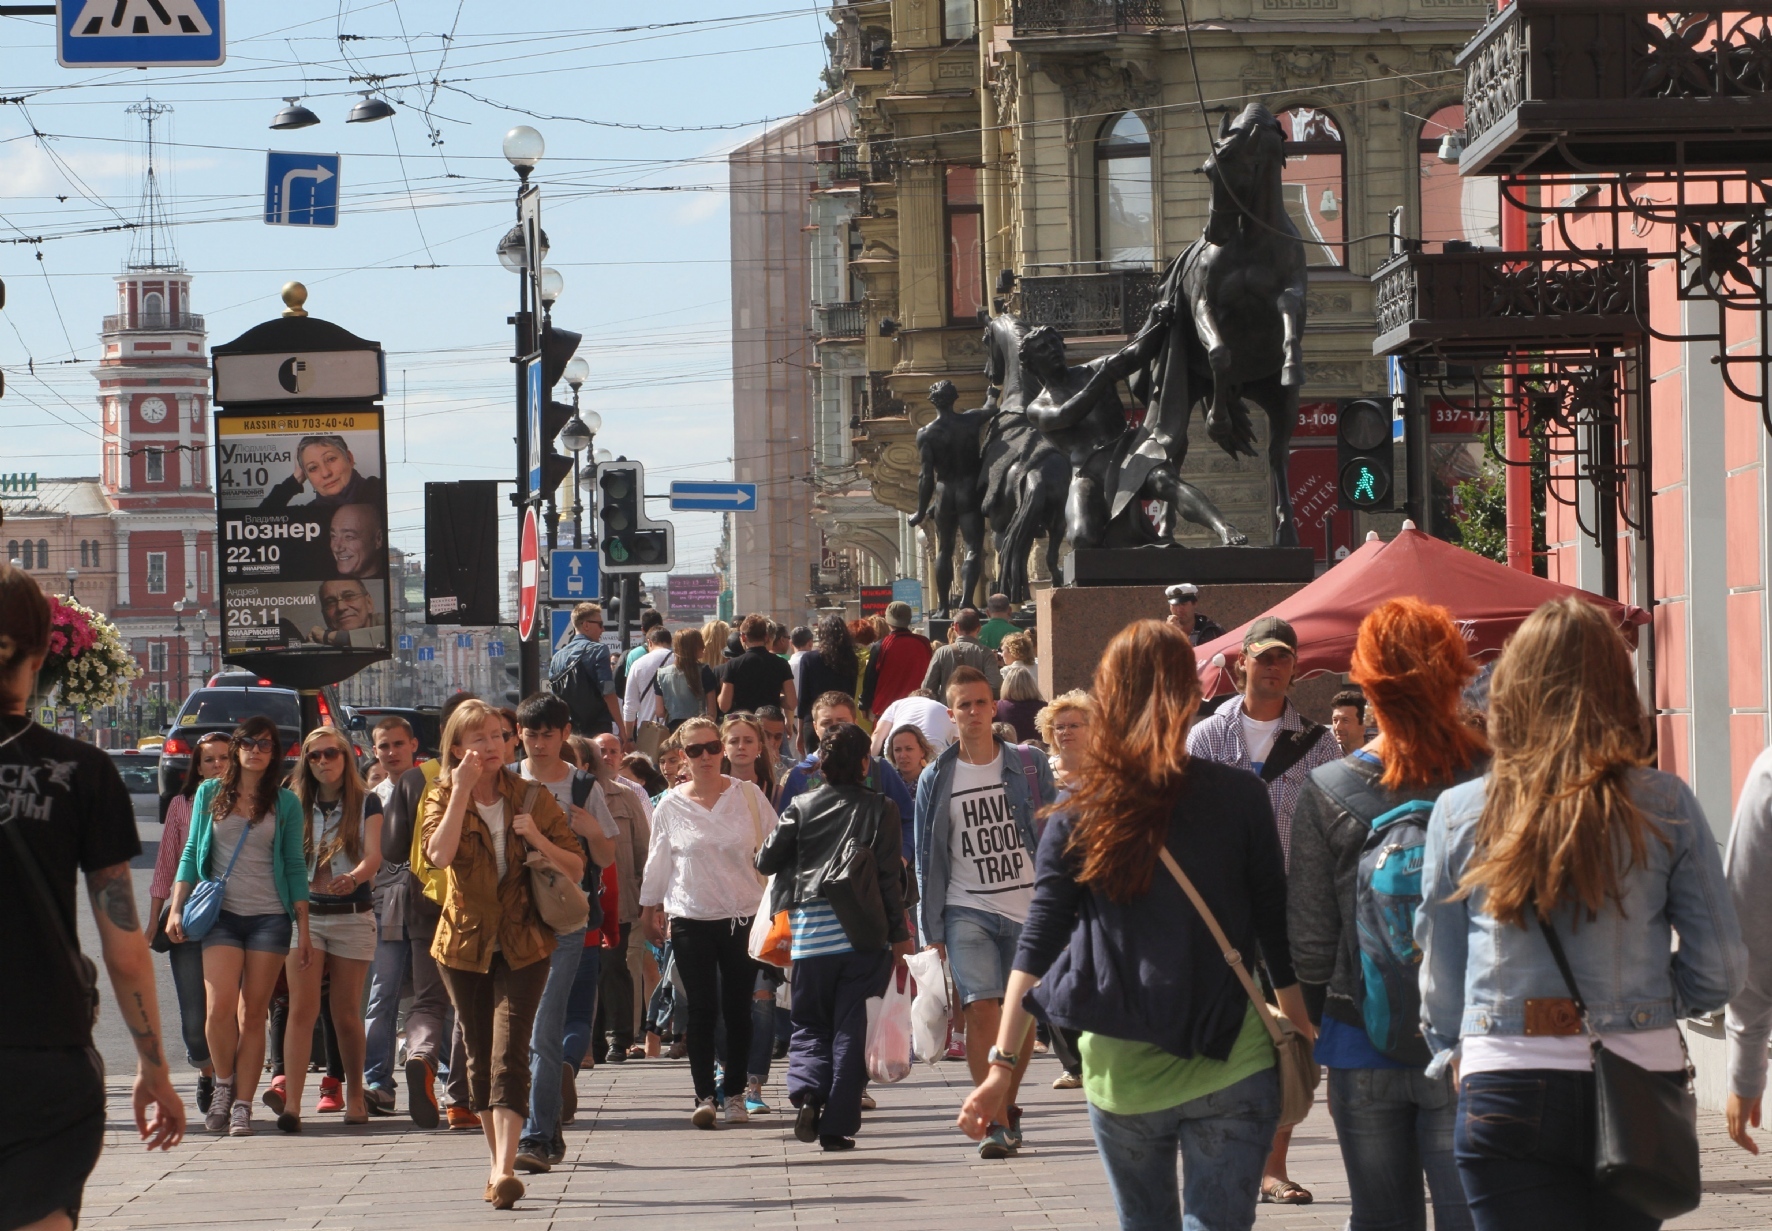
(68, 802)
(756, 677)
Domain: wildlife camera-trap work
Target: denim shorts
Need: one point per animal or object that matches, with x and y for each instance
(256, 933)
(981, 951)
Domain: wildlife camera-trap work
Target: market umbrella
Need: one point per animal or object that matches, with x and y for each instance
(1488, 601)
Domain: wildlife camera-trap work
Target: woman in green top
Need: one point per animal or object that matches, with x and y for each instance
(1175, 1056)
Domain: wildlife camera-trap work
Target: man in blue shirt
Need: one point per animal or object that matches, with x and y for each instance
(830, 711)
(580, 674)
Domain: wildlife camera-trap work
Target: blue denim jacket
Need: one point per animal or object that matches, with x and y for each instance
(1027, 781)
(1477, 974)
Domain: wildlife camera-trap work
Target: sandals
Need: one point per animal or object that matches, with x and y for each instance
(1285, 1192)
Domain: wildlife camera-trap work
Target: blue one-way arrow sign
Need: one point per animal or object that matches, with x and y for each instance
(301, 190)
(713, 497)
(572, 575)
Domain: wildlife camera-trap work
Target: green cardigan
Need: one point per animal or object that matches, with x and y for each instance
(289, 868)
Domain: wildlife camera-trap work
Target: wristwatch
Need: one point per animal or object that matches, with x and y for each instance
(1007, 1059)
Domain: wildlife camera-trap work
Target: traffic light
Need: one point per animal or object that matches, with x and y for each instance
(557, 346)
(629, 541)
(1363, 454)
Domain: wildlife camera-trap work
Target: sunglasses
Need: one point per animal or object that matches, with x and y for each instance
(711, 749)
(323, 754)
(263, 743)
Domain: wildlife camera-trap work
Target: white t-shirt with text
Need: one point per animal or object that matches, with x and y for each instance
(987, 867)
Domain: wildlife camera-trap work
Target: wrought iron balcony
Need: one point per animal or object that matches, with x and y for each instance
(837, 320)
(181, 322)
(1085, 16)
(1485, 302)
(1616, 85)
(1090, 304)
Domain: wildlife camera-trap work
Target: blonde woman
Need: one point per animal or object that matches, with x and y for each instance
(699, 876)
(342, 848)
(479, 824)
(748, 760)
(1064, 728)
(1569, 837)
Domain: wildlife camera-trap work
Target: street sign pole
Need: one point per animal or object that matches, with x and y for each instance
(529, 220)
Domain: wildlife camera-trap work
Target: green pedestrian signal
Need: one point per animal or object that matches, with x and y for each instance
(1364, 454)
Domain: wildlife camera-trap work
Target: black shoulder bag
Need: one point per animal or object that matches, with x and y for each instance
(851, 882)
(84, 971)
(1645, 1126)
(1291, 747)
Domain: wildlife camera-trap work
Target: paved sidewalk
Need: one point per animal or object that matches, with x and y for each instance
(634, 1161)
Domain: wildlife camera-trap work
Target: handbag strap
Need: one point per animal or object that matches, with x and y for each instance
(1562, 959)
(1231, 956)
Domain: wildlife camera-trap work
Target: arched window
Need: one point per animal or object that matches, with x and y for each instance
(95, 563)
(12, 551)
(29, 558)
(1124, 207)
(42, 553)
(153, 310)
(1315, 183)
(1454, 206)
(85, 551)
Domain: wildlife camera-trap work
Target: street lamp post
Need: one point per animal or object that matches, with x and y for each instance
(523, 148)
(578, 434)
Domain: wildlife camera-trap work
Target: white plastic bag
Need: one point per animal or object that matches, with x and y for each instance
(889, 1031)
(929, 1010)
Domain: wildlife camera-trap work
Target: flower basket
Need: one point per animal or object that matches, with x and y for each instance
(87, 667)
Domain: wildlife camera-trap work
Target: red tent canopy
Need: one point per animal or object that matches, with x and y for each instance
(1488, 600)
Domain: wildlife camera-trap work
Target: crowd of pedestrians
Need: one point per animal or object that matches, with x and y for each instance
(1464, 915)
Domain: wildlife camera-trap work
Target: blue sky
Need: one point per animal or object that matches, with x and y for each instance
(636, 216)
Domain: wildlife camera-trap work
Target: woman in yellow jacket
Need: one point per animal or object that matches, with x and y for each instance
(479, 824)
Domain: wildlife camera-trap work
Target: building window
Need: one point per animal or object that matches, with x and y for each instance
(959, 20)
(1315, 184)
(85, 552)
(156, 656)
(12, 552)
(156, 572)
(153, 310)
(965, 233)
(202, 571)
(95, 563)
(42, 553)
(1124, 236)
(156, 466)
(1454, 206)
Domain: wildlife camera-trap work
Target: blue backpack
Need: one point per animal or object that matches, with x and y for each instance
(1387, 893)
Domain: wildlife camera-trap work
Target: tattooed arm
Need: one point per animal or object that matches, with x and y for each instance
(112, 891)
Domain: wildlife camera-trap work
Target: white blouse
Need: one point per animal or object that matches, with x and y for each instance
(701, 863)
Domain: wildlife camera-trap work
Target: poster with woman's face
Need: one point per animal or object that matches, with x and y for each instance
(303, 512)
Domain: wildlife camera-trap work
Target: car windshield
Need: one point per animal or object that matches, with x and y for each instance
(228, 707)
(138, 772)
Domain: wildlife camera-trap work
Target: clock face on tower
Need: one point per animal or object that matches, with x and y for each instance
(153, 410)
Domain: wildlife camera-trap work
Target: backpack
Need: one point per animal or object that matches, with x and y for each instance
(577, 686)
(1387, 893)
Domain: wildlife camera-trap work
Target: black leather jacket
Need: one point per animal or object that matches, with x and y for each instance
(812, 833)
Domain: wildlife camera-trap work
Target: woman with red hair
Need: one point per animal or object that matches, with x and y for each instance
(1175, 1055)
(1393, 1122)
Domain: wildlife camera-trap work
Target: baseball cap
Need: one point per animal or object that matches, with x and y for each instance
(1266, 633)
(1186, 592)
(898, 614)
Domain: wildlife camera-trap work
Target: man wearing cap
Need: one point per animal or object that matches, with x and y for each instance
(1263, 732)
(1200, 628)
(896, 667)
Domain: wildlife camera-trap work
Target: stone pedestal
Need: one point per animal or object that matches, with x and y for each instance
(1075, 624)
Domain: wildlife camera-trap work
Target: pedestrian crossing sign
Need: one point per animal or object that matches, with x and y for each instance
(139, 33)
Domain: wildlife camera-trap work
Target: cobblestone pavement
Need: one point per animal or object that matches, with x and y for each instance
(633, 1160)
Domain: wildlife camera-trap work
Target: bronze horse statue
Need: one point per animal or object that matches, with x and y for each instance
(1238, 296)
(1024, 479)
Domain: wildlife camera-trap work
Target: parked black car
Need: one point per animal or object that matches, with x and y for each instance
(222, 709)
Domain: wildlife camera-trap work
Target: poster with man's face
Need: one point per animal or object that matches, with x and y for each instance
(303, 513)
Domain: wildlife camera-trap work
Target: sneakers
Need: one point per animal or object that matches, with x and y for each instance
(240, 1119)
(831, 1145)
(205, 1091)
(276, 1095)
(379, 1099)
(806, 1123)
(532, 1155)
(332, 1095)
(557, 1149)
(1013, 1130)
(735, 1111)
(568, 1092)
(421, 1095)
(1067, 1081)
(996, 1143)
(704, 1114)
(462, 1120)
(216, 1118)
(753, 1099)
(637, 1052)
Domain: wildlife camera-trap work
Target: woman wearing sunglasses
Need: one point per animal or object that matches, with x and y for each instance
(208, 759)
(699, 876)
(264, 905)
(341, 845)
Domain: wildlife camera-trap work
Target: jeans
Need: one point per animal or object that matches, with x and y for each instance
(718, 974)
(1224, 1138)
(193, 1003)
(981, 951)
(427, 1021)
(1525, 1147)
(827, 1058)
(548, 1036)
(581, 1004)
(1394, 1124)
(762, 1030)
